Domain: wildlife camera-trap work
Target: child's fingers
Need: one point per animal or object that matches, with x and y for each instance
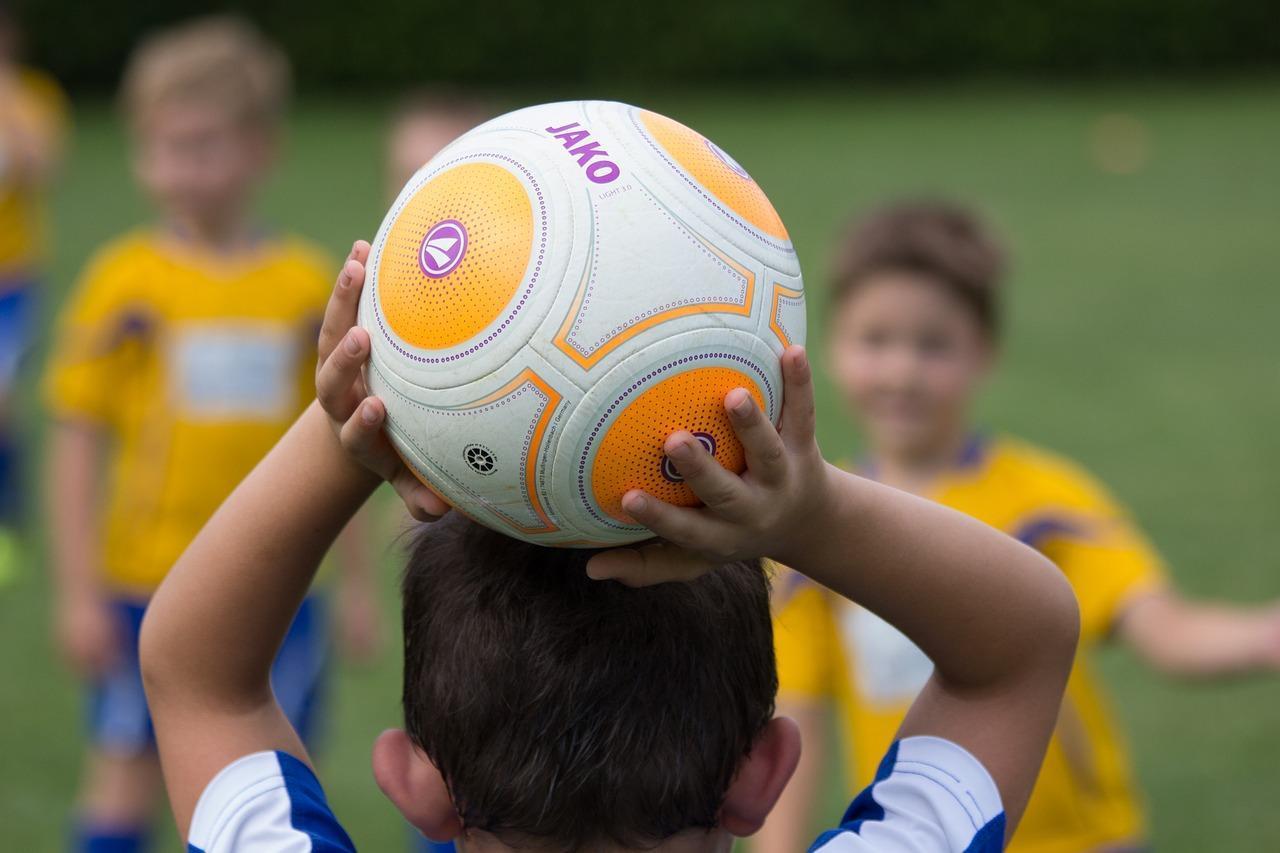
(361, 436)
(336, 378)
(657, 562)
(360, 250)
(340, 313)
(798, 416)
(692, 528)
(766, 454)
(721, 490)
(422, 503)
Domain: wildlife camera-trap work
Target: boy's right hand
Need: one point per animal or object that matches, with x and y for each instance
(87, 634)
(357, 418)
(767, 511)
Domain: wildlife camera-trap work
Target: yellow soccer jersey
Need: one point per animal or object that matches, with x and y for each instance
(33, 103)
(194, 366)
(829, 649)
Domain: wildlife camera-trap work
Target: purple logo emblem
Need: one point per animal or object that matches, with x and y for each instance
(727, 160)
(670, 474)
(442, 249)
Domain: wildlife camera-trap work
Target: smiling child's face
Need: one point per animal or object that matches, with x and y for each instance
(908, 356)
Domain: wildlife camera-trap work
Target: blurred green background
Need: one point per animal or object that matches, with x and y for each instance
(1142, 210)
(1141, 341)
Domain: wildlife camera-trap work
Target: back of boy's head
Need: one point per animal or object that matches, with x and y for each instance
(571, 713)
(221, 61)
(944, 242)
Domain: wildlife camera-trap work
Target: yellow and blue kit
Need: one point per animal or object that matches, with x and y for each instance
(192, 366)
(832, 650)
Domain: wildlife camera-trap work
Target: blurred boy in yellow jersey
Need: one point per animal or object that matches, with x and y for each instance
(32, 119)
(184, 353)
(914, 322)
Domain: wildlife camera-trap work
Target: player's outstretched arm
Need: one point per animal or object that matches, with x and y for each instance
(998, 620)
(1202, 639)
(214, 626)
(84, 627)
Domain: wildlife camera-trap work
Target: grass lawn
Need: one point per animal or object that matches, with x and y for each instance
(1142, 342)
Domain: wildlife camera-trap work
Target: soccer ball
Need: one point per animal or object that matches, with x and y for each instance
(558, 291)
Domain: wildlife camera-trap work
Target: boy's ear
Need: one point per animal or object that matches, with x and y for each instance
(761, 776)
(414, 785)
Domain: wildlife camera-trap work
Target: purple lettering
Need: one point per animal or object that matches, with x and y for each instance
(584, 153)
(572, 137)
(597, 171)
(602, 172)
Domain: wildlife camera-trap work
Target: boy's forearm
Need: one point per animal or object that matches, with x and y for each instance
(1202, 639)
(998, 620)
(990, 597)
(215, 624)
(72, 497)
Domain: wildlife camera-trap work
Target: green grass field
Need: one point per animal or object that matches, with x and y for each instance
(1142, 342)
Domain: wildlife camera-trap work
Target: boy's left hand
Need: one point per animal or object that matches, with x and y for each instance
(357, 418)
(767, 511)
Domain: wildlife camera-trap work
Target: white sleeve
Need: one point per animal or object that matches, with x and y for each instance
(267, 802)
(929, 796)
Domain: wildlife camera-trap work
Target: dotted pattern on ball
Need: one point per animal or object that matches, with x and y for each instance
(740, 199)
(633, 429)
(375, 265)
(786, 304)
(437, 313)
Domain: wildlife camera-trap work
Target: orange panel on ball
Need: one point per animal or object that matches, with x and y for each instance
(716, 172)
(631, 455)
(456, 255)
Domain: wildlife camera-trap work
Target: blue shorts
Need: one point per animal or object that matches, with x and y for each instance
(17, 327)
(120, 724)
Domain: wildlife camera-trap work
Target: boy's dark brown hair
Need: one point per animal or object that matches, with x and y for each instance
(574, 713)
(939, 240)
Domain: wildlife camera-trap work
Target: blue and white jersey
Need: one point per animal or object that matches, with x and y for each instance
(267, 802)
(929, 796)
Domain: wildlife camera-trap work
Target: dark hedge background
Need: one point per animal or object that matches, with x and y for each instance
(344, 44)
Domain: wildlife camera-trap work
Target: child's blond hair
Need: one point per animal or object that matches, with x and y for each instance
(222, 61)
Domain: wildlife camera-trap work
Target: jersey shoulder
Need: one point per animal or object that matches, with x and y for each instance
(309, 266)
(929, 794)
(122, 263)
(263, 802)
(1045, 477)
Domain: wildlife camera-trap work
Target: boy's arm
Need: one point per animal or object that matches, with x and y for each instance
(1187, 638)
(214, 626)
(83, 625)
(998, 620)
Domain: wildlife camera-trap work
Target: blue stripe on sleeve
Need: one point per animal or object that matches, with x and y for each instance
(310, 812)
(990, 839)
(864, 807)
(1036, 531)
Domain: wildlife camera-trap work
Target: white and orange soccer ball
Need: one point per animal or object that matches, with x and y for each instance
(558, 291)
